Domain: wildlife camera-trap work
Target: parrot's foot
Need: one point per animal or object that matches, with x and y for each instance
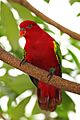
(23, 61)
(51, 73)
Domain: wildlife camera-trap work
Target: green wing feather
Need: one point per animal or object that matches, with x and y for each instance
(58, 52)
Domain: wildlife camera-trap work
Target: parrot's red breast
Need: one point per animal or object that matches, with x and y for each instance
(40, 51)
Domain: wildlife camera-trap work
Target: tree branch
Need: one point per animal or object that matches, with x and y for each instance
(1, 116)
(39, 73)
(47, 19)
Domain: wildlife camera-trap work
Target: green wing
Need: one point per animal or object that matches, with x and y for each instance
(58, 53)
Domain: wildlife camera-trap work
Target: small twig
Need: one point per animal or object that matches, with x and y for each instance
(27, 5)
(1, 116)
(39, 73)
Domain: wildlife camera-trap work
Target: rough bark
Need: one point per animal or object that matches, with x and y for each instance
(39, 73)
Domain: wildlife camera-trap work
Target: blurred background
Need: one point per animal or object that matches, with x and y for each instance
(18, 99)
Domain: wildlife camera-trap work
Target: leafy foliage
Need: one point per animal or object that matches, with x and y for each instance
(66, 106)
(75, 59)
(47, 1)
(19, 110)
(10, 26)
(20, 9)
(73, 1)
(78, 14)
(15, 86)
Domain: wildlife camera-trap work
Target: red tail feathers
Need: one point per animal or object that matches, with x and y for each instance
(48, 96)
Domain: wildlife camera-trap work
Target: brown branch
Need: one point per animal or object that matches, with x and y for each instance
(47, 19)
(39, 73)
(1, 116)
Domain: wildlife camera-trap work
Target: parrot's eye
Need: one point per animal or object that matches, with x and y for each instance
(29, 26)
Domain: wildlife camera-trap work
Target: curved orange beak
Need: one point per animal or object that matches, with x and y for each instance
(22, 33)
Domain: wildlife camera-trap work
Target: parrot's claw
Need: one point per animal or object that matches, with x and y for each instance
(23, 61)
(51, 73)
(49, 76)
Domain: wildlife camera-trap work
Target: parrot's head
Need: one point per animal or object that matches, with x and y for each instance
(26, 26)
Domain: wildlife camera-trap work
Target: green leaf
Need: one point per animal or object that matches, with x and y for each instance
(1, 110)
(19, 52)
(61, 33)
(14, 86)
(75, 44)
(36, 109)
(66, 106)
(23, 12)
(21, 83)
(18, 84)
(7, 67)
(67, 102)
(39, 20)
(67, 70)
(47, 1)
(75, 59)
(78, 14)
(5, 90)
(73, 1)
(2, 30)
(10, 26)
(19, 111)
(48, 30)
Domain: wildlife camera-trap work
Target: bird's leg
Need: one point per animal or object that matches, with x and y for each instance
(24, 60)
(51, 73)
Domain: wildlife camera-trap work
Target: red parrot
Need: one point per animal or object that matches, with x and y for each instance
(42, 51)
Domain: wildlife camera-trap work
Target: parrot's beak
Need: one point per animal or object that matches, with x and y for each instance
(22, 33)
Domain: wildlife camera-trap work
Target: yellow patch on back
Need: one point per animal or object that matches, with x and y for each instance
(55, 49)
